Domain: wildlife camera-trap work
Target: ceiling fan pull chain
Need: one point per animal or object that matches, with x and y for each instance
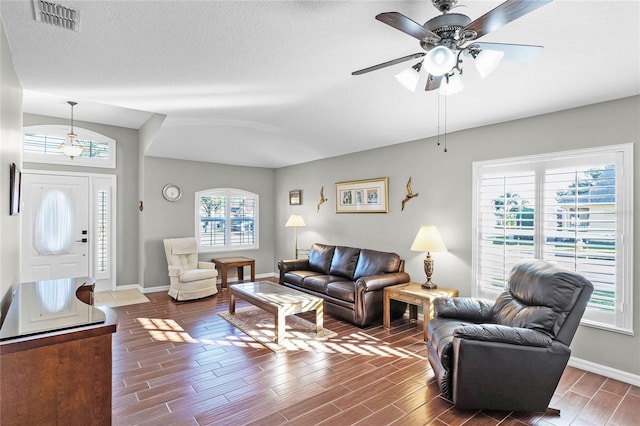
(445, 124)
(438, 98)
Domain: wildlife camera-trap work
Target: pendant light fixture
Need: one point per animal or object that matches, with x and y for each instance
(70, 146)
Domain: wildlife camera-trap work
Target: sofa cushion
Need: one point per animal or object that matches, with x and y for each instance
(343, 290)
(296, 277)
(320, 257)
(344, 261)
(319, 283)
(371, 262)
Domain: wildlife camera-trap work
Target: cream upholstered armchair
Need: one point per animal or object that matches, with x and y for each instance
(189, 278)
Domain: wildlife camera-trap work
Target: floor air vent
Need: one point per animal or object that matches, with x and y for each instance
(57, 14)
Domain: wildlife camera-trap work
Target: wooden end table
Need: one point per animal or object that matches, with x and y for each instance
(223, 263)
(413, 294)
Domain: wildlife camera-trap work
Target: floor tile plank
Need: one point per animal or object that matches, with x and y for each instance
(179, 363)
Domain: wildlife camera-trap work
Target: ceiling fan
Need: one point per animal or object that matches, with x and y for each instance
(447, 37)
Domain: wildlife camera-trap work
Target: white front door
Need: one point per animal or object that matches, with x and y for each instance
(55, 227)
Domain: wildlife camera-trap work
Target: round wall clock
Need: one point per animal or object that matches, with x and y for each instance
(171, 192)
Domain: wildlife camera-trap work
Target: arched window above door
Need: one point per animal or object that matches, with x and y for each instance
(40, 145)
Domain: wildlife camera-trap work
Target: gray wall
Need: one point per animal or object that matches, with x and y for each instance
(127, 186)
(164, 219)
(10, 152)
(443, 181)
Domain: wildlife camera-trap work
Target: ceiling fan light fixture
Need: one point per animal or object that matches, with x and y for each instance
(69, 147)
(439, 60)
(487, 61)
(451, 85)
(409, 78)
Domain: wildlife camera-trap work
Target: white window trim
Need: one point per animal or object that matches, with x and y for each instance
(227, 248)
(59, 130)
(625, 240)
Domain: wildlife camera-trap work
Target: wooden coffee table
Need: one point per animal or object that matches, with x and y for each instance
(223, 263)
(278, 300)
(413, 294)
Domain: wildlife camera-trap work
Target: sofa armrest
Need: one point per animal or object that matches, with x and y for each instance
(503, 334)
(463, 308)
(174, 271)
(293, 265)
(378, 282)
(206, 265)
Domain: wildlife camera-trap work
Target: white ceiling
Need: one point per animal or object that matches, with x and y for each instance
(269, 84)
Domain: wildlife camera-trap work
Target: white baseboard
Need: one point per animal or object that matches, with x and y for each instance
(166, 287)
(605, 371)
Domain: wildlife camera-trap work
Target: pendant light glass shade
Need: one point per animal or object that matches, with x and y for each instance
(487, 61)
(439, 60)
(451, 85)
(69, 147)
(409, 78)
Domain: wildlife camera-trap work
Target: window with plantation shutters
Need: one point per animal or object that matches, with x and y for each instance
(574, 209)
(227, 219)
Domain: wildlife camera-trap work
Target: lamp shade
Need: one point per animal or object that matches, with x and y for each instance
(295, 220)
(428, 239)
(409, 78)
(451, 85)
(439, 60)
(487, 61)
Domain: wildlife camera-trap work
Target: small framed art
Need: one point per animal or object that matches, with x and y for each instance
(295, 197)
(363, 196)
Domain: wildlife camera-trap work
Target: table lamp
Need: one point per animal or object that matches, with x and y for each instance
(295, 221)
(428, 239)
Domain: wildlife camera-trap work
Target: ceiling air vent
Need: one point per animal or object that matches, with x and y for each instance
(57, 14)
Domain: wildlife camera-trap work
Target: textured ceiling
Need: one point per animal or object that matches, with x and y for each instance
(269, 84)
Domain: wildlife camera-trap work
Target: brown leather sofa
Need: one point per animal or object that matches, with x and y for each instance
(350, 280)
(509, 354)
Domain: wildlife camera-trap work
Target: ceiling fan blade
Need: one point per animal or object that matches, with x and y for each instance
(513, 52)
(389, 63)
(502, 15)
(407, 26)
(433, 82)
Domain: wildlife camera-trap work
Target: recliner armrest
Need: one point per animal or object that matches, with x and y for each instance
(463, 308)
(174, 271)
(206, 265)
(378, 282)
(503, 334)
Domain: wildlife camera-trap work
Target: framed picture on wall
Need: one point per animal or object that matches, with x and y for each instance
(363, 196)
(15, 183)
(295, 197)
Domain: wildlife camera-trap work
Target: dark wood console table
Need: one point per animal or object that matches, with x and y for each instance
(55, 356)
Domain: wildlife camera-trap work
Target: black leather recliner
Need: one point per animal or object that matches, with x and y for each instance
(510, 354)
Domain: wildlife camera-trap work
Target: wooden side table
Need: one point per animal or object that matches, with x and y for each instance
(223, 263)
(413, 294)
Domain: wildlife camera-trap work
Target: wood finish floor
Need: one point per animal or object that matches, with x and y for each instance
(180, 363)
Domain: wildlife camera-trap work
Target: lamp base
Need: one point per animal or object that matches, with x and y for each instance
(429, 285)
